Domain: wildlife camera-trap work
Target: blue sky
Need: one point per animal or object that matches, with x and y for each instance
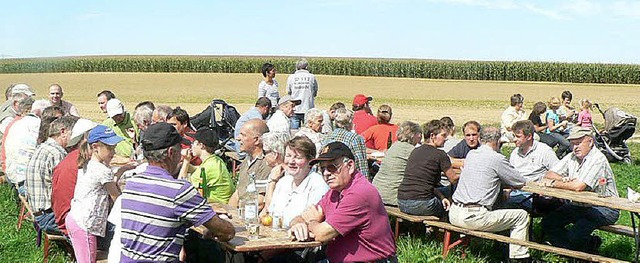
(571, 31)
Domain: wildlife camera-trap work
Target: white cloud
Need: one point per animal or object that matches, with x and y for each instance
(627, 8)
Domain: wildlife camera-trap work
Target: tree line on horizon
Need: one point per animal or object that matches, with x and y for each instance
(402, 68)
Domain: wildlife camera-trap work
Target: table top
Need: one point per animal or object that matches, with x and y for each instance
(269, 239)
(583, 197)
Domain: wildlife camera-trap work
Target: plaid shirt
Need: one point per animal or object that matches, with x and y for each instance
(40, 171)
(355, 142)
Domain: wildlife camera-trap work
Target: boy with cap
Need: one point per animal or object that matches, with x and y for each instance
(124, 126)
(218, 177)
(584, 169)
(362, 118)
(157, 208)
(279, 121)
(351, 217)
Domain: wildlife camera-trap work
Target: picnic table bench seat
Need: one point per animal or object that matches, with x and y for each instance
(618, 229)
(401, 217)
(448, 228)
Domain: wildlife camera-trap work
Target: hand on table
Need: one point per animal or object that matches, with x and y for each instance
(300, 232)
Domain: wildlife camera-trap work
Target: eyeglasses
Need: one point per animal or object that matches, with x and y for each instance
(332, 167)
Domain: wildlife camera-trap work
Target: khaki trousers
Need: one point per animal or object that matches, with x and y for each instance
(479, 218)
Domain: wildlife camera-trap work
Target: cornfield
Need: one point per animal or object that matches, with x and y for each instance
(405, 68)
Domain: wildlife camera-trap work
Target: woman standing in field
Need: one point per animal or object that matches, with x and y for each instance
(269, 86)
(90, 205)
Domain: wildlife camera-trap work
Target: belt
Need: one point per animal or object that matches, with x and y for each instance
(42, 212)
(467, 205)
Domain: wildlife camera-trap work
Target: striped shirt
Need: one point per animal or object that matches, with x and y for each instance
(40, 171)
(157, 209)
(355, 142)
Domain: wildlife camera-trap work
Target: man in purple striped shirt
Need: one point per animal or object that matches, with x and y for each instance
(157, 209)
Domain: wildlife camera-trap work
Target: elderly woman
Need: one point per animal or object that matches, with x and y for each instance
(273, 148)
(300, 187)
(313, 120)
(380, 137)
(391, 171)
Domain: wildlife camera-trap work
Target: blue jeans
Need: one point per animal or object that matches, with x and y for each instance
(553, 139)
(519, 199)
(584, 219)
(47, 223)
(427, 207)
(297, 120)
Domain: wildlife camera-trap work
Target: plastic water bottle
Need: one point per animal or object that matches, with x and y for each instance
(251, 208)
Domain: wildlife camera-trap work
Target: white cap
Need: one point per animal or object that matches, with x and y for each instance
(22, 88)
(114, 107)
(81, 126)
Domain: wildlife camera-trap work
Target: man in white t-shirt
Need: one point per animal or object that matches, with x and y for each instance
(531, 158)
(279, 121)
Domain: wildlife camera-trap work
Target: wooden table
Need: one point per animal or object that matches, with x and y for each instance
(592, 198)
(269, 239)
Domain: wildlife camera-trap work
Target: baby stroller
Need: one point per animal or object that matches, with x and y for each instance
(618, 127)
(220, 117)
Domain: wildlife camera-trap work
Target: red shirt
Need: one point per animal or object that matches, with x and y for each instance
(65, 176)
(377, 136)
(358, 214)
(362, 121)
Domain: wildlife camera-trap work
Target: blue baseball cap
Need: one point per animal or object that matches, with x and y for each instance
(104, 135)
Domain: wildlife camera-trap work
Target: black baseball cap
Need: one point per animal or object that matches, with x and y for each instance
(207, 136)
(161, 135)
(332, 151)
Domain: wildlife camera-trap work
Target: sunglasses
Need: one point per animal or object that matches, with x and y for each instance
(332, 167)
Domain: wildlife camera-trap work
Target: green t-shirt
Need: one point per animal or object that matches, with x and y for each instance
(218, 179)
(124, 147)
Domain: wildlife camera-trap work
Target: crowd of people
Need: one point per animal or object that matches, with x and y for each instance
(130, 183)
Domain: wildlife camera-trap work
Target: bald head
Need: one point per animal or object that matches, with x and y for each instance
(250, 136)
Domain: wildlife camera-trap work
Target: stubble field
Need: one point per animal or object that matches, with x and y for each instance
(411, 99)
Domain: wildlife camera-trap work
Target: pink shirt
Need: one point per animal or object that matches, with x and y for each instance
(584, 119)
(358, 214)
(362, 121)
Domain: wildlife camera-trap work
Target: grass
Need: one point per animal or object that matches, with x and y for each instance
(20, 245)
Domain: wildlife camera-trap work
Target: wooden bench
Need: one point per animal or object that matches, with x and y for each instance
(619, 229)
(448, 228)
(26, 213)
(401, 217)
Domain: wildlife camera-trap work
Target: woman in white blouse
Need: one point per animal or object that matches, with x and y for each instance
(87, 218)
(300, 187)
(269, 86)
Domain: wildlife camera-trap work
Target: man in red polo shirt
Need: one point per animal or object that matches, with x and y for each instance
(362, 118)
(350, 217)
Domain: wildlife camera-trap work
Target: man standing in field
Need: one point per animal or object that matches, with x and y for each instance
(55, 96)
(302, 86)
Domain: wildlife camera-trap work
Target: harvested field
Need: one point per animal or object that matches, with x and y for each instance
(411, 99)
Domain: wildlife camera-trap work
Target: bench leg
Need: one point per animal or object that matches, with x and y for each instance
(21, 215)
(397, 232)
(46, 249)
(445, 243)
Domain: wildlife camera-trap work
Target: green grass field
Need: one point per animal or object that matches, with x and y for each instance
(412, 99)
